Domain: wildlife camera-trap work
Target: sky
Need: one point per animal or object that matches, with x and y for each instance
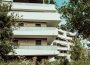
(60, 2)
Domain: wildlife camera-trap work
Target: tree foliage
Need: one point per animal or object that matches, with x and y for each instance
(77, 51)
(77, 15)
(6, 23)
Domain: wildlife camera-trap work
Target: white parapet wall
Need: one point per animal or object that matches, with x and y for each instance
(36, 31)
(35, 50)
(34, 7)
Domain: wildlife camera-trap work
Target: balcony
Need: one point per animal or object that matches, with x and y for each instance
(63, 48)
(35, 50)
(66, 33)
(50, 33)
(52, 19)
(35, 31)
(38, 47)
(64, 54)
(66, 43)
(64, 37)
(33, 7)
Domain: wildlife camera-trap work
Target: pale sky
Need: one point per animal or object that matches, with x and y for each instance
(60, 2)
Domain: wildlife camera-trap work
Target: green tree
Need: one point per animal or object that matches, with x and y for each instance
(6, 23)
(77, 15)
(77, 50)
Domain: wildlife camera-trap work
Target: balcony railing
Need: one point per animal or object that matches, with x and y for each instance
(35, 50)
(64, 54)
(38, 16)
(63, 48)
(38, 47)
(33, 7)
(26, 6)
(62, 42)
(64, 37)
(26, 31)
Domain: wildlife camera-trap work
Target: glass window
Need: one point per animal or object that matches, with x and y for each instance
(62, 51)
(38, 42)
(38, 25)
(15, 43)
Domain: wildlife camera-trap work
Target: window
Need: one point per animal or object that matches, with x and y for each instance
(62, 51)
(38, 25)
(21, 24)
(15, 43)
(38, 42)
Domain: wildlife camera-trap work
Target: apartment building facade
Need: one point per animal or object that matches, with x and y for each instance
(38, 28)
(64, 43)
(38, 34)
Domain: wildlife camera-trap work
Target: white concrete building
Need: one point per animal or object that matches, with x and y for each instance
(38, 28)
(38, 34)
(64, 42)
